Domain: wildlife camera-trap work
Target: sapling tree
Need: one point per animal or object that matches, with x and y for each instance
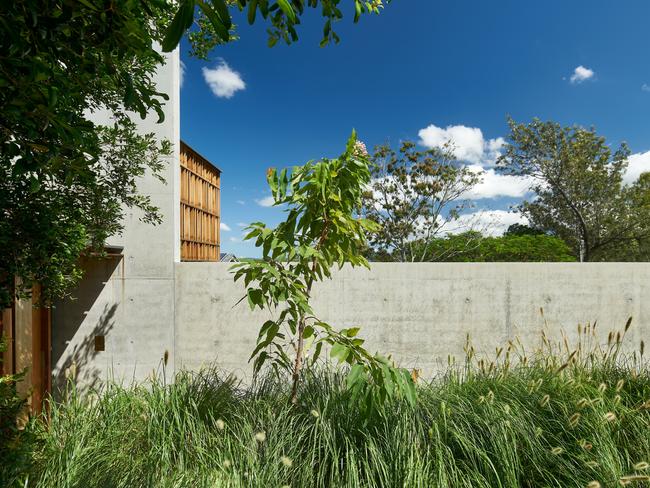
(321, 230)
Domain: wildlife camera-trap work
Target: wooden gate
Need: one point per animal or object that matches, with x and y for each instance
(200, 207)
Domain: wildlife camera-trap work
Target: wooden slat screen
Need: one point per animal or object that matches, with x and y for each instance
(200, 207)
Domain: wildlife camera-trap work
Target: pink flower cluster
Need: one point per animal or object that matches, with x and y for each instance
(360, 149)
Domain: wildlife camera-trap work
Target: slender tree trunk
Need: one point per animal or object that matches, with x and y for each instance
(297, 365)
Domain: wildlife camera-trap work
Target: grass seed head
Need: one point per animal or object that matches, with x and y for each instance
(642, 466)
(220, 424)
(260, 437)
(593, 484)
(602, 387)
(574, 419)
(315, 414)
(544, 401)
(226, 463)
(591, 464)
(286, 461)
(557, 451)
(626, 480)
(587, 446)
(610, 416)
(619, 385)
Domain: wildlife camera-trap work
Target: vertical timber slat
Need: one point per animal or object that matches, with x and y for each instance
(200, 207)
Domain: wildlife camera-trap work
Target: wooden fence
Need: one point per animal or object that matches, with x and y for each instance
(200, 207)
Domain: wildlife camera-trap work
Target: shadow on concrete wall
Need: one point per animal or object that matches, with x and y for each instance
(79, 328)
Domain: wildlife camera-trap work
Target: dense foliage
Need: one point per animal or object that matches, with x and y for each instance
(64, 180)
(559, 417)
(580, 195)
(215, 22)
(474, 247)
(15, 448)
(320, 230)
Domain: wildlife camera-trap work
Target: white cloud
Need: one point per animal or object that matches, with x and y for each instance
(234, 239)
(488, 222)
(266, 201)
(222, 80)
(495, 185)
(581, 74)
(225, 227)
(469, 143)
(645, 87)
(639, 163)
(241, 202)
(182, 73)
(241, 224)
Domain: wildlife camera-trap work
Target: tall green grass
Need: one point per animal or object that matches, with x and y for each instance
(562, 416)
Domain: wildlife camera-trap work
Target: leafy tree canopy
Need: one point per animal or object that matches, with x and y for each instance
(413, 196)
(214, 19)
(64, 179)
(580, 194)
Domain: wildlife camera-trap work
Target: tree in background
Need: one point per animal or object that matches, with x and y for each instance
(472, 246)
(638, 247)
(64, 180)
(413, 196)
(580, 195)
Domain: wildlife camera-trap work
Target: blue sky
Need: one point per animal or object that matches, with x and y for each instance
(424, 70)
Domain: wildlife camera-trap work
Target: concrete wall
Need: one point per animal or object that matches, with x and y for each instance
(420, 312)
(146, 302)
(129, 299)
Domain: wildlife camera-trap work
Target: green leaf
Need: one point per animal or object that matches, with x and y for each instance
(222, 10)
(352, 331)
(308, 332)
(317, 351)
(355, 375)
(216, 20)
(409, 387)
(179, 24)
(255, 298)
(357, 11)
(288, 10)
(252, 10)
(340, 352)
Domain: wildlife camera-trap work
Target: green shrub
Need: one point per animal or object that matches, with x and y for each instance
(15, 445)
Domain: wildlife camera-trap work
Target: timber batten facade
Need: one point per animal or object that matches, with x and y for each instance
(200, 212)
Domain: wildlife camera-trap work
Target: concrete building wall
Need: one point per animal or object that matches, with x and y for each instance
(420, 312)
(129, 300)
(146, 302)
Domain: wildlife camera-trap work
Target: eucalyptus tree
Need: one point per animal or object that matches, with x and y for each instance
(321, 230)
(580, 195)
(414, 196)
